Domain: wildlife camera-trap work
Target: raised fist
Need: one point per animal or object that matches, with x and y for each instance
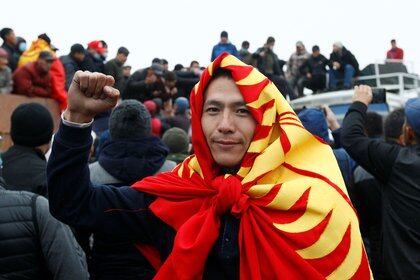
(90, 94)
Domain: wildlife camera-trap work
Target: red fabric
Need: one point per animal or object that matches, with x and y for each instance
(396, 53)
(192, 203)
(27, 80)
(58, 84)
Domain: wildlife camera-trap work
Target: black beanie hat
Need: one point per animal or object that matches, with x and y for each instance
(31, 125)
(129, 120)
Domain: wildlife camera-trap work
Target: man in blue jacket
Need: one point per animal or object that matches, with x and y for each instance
(224, 46)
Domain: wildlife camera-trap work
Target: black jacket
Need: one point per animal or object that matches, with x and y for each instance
(346, 57)
(315, 66)
(136, 87)
(121, 212)
(115, 69)
(71, 66)
(24, 169)
(34, 245)
(268, 61)
(397, 168)
(92, 64)
(14, 55)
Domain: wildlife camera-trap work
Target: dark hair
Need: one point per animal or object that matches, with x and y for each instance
(224, 34)
(123, 50)
(77, 48)
(170, 76)
(164, 61)
(393, 41)
(157, 60)
(245, 44)
(45, 37)
(271, 40)
(373, 125)
(393, 125)
(194, 62)
(315, 48)
(104, 44)
(4, 32)
(178, 67)
(220, 72)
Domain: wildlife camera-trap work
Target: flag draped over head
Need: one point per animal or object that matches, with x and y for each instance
(296, 220)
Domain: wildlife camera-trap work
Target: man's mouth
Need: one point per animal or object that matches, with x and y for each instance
(226, 143)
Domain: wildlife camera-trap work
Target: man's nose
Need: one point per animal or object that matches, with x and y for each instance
(227, 123)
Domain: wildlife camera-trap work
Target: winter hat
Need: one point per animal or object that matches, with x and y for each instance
(31, 125)
(150, 106)
(182, 105)
(314, 121)
(177, 140)
(338, 44)
(129, 120)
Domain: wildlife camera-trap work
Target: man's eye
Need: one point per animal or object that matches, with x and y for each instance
(212, 110)
(243, 111)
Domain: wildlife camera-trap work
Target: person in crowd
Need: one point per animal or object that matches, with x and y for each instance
(317, 122)
(9, 45)
(130, 154)
(73, 62)
(114, 68)
(177, 140)
(314, 71)
(187, 78)
(395, 52)
(293, 74)
(24, 163)
(156, 123)
(94, 59)
(126, 73)
(165, 64)
(222, 209)
(244, 54)
(366, 193)
(21, 45)
(34, 78)
(396, 168)
(6, 81)
(34, 245)
(374, 127)
(57, 72)
(144, 83)
(268, 63)
(178, 116)
(224, 46)
(343, 66)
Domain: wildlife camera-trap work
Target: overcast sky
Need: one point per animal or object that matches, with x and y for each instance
(185, 30)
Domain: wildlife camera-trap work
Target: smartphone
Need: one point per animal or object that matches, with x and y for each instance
(378, 95)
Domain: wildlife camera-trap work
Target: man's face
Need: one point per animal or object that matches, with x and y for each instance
(393, 45)
(195, 67)
(44, 65)
(270, 46)
(79, 57)
(122, 58)
(165, 66)
(11, 38)
(127, 72)
(336, 49)
(227, 123)
(223, 40)
(315, 53)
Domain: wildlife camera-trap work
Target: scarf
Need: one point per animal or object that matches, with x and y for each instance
(296, 219)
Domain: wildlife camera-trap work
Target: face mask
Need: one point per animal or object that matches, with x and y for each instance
(104, 55)
(97, 56)
(22, 47)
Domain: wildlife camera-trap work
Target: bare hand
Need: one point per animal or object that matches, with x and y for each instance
(90, 94)
(336, 65)
(332, 120)
(309, 76)
(363, 94)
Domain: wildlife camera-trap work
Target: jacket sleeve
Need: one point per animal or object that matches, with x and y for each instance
(63, 255)
(122, 211)
(22, 82)
(109, 69)
(70, 71)
(375, 156)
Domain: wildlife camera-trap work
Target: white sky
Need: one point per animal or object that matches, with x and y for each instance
(185, 30)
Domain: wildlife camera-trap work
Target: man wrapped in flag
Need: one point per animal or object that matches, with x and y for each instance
(261, 198)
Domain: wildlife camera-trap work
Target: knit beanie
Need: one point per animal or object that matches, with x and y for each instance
(129, 120)
(176, 140)
(31, 125)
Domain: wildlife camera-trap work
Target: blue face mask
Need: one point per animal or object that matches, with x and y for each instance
(22, 47)
(97, 56)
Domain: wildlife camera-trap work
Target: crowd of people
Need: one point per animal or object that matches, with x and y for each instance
(144, 180)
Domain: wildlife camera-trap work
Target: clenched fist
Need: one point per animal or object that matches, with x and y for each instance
(90, 94)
